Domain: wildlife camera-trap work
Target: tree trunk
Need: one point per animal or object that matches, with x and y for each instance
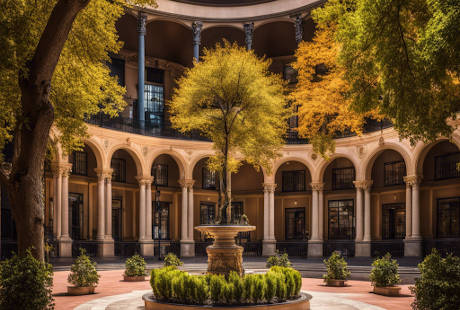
(31, 134)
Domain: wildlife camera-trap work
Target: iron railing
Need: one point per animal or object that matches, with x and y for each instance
(380, 247)
(444, 246)
(90, 246)
(127, 248)
(345, 247)
(293, 248)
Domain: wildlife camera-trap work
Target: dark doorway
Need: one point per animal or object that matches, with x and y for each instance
(117, 212)
(393, 221)
(76, 215)
(161, 221)
(295, 223)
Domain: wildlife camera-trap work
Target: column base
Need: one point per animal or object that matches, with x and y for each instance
(146, 248)
(268, 247)
(413, 247)
(363, 249)
(106, 248)
(315, 248)
(65, 247)
(187, 248)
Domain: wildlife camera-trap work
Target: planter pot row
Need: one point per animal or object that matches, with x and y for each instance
(392, 291)
(86, 290)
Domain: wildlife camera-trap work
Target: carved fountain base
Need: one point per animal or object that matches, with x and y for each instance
(224, 255)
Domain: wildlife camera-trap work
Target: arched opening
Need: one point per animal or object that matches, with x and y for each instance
(339, 209)
(440, 198)
(293, 208)
(388, 204)
(211, 36)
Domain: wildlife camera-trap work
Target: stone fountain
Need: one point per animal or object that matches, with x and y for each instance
(224, 255)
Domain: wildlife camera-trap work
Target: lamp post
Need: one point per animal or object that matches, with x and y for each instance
(158, 210)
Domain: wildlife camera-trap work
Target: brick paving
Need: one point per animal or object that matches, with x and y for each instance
(111, 283)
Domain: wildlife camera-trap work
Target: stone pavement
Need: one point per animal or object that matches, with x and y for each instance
(114, 294)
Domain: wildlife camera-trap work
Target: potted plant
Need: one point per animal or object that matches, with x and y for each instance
(278, 260)
(172, 260)
(134, 269)
(336, 270)
(83, 275)
(384, 276)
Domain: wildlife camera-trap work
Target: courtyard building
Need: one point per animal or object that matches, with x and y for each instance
(140, 186)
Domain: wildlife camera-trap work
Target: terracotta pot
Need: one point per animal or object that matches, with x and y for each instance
(80, 290)
(133, 278)
(387, 290)
(302, 303)
(335, 283)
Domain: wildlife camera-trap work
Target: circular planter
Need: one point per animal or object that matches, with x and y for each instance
(335, 283)
(302, 303)
(80, 290)
(392, 291)
(133, 278)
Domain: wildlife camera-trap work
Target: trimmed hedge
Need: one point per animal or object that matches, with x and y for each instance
(135, 266)
(175, 286)
(384, 272)
(336, 267)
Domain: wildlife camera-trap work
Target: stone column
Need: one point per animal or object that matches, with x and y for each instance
(142, 18)
(65, 242)
(141, 209)
(57, 199)
(362, 248)
(408, 208)
(145, 210)
(269, 242)
(107, 246)
(148, 209)
(196, 29)
(315, 245)
(187, 245)
(298, 29)
(413, 244)
(321, 211)
(100, 206)
(249, 32)
(367, 211)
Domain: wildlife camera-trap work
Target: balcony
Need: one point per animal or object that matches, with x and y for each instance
(152, 129)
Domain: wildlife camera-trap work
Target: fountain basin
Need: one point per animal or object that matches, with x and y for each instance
(224, 255)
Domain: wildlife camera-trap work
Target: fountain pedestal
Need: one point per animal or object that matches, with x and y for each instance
(224, 255)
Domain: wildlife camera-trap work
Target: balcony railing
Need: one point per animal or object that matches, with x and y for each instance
(151, 128)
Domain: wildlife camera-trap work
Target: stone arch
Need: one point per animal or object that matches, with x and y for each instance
(318, 175)
(135, 155)
(369, 161)
(178, 158)
(193, 162)
(98, 153)
(422, 150)
(284, 160)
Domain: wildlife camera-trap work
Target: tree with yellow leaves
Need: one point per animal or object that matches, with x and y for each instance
(232, 98)
(321, 92)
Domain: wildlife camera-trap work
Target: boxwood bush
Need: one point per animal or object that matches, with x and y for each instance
(384, 272)
(83, 271)
(18, 273)
(278, 260)
(172, 260)
(135, 266)
(172, 285)
(336, 267)
(439, 284)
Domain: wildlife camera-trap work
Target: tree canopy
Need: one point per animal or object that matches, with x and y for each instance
(232, 98)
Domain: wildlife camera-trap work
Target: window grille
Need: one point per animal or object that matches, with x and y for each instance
(209, 179)
(394, 172)
(160, 173)
(341, 219)
(161, 222)
(446, 166)
(294, 181)
(342, 178)
(295, 223)
(80, 163)
(119, 170)
(448, 219)
(207, 213)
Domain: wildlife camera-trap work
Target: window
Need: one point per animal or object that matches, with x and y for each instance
(207, 213)
(341, 219)
(209, 179)
(79, 163)
(161, 222)
(117, 68)
(393, 221)
(394, 172)
(160, 174)
(237, 212)
(446, 166)
(448, 220)
(294, 181)
(119, 170)
(154, 98)
(295, 224)
(342, 178)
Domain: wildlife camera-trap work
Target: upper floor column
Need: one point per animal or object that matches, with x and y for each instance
(298, 29)
(142, 18)
(248, 33)
(196, 29)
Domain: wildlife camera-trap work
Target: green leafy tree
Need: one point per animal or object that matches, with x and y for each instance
(232, 98)
(53, 72)
(401, 58)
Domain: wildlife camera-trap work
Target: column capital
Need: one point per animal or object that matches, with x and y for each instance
(412, 180)
(317, 186)
(144, 180)
(270, 187)
(187, 183)
(65, 169)
(363, 184)
(196, 29)
(141, 20)
(104, 173)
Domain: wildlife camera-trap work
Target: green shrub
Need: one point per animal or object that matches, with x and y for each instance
(26, 283)
(172, 285)
(278, 260)
(83, 271)
(135, 266)
(384, 272)
(172, 260)
(439, 284)
(336, 267)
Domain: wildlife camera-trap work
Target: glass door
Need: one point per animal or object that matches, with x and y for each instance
(393, 221)
(295, 223)
(76, 215)
(117, 219)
